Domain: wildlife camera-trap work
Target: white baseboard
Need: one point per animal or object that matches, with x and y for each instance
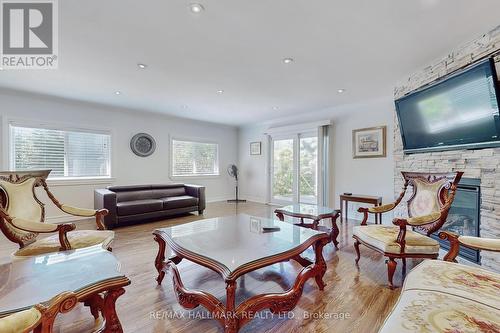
(218, 199)
(254, 199)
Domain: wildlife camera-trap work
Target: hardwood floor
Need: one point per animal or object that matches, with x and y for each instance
(353, 300)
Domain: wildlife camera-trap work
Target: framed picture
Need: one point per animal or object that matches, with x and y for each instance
(255, 225)
(369, 142)
(255, 148)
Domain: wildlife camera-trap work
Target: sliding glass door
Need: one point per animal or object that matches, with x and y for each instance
(294, 174)
(283, 175)
(308, 169)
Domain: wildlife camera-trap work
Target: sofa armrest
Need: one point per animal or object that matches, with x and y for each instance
(106, 199)
(197, 191)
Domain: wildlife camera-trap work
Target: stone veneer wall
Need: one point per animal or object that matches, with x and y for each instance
(483, 164)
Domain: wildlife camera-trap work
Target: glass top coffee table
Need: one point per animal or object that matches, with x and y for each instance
(233, 246)
(92, 273)
(314, 213)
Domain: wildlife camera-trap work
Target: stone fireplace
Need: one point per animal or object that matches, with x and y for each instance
(482, 165)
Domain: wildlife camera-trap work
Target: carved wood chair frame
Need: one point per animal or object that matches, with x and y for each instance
(26, 235)
(427, 224)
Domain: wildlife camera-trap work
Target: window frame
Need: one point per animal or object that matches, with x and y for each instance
(84, 180)
(193, 140)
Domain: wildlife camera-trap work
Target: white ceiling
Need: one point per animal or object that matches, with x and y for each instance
(364, 46)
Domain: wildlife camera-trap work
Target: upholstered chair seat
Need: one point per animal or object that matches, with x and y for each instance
(77, 239)
(384, 238)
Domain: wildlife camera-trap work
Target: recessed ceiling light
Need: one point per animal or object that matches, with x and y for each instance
(275, 108)
(220, 91)
(118, 92)
(287, 60)
(340, 91)
(196, 8)
(142, 66)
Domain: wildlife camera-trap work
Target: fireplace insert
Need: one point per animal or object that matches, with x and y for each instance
(464, 216)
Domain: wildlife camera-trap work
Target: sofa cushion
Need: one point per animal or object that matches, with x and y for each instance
(168, 192)
(430, 311)
(138, 206)
(384, 239)
(469, 282)
(134, 195)
(179, 202)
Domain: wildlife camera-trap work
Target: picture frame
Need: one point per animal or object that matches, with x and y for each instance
(255, 225)
(370, 142)
(256, 148)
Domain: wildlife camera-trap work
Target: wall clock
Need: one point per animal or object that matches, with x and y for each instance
(143, 144)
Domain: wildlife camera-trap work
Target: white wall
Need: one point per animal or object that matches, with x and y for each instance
(127, 168)
(253, 168)
(373, 176)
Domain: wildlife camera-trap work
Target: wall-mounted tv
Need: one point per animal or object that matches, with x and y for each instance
(458, 112)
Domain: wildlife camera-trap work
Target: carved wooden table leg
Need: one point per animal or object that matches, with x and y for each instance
(302, 261)
(320, 264)
(231, 322)
(335, 231)
(95, 303)
(280, 216)
(160, 258)
(112, 322)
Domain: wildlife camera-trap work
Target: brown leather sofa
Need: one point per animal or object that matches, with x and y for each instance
(138, 203)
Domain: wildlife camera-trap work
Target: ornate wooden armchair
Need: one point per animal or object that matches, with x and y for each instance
(428, 208)
(476, 243)
(22, 217)
(40, 318)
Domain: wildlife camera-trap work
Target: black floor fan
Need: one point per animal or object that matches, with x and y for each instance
(232, 170)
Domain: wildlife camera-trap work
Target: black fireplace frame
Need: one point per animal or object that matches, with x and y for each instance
(470, 185)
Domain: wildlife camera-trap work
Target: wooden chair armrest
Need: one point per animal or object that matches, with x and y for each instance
(39, 318)
(401, 239)
(375, 210)
(85, 212)
(99, 214)
(423, 220)
(27, 225)
(382, 209)
(476, 243)
(31, 226)
(479, 243)
(62, 303)
(76, 211)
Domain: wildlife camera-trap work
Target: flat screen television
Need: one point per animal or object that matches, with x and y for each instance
(458, 112)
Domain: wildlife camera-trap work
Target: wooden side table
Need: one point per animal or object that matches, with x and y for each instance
(368, 199)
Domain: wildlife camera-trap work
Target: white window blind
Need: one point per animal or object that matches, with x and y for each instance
(67, 153)
(194, 158)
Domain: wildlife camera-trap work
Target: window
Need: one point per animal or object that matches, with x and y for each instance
(68, 154)
(194, 158)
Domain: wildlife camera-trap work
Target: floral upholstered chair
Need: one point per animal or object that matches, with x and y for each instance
(444, 296)
(428, 208)
(40, 318)
(22, 217)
